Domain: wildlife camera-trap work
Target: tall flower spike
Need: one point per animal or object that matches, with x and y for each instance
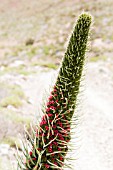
(50, 144)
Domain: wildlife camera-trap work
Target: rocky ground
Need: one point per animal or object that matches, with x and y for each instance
(33, 40)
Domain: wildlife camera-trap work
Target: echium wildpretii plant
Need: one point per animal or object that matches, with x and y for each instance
(49, 143)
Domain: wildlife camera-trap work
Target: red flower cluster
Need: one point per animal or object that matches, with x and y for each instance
(51, 97)
(50, 148)
(50, 103)
(43, 122)
(58, 129)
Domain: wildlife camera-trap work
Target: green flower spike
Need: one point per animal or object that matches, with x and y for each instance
(49, 142)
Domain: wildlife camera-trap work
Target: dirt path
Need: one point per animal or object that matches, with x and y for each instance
(96, 151)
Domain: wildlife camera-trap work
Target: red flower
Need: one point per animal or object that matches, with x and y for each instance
(34, 159)
(47, 165)
(56, 101)
(68, 129)
(48, 109)
(61, 158)
(30, 153)
(37, 135)
(54, 126)
(55, 163)
(52, 102)
(56, 115)
(67, 140)
(58, 106)
(40, 134)
(49, 114)
(60, 136)
(50, 149)
(60, 124)
(53, 159)
(43, 122)
(55, 131)
(52, 107)
(51, 97)
(55, 143)
(59, 149)
(55, 90)
(49, 103)
(39, 149)
(55, 94)
(46, 127)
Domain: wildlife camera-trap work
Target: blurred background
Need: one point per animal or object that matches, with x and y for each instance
(33, 38)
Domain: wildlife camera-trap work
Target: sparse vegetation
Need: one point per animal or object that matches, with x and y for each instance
(20, 70)
(15, 117)
(17, 90)
(48, 65)
(11, 100)
(98, 58)
(11, 141)
(14, 95)
(29, 41)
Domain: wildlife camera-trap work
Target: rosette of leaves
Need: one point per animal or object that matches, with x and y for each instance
(49, 142)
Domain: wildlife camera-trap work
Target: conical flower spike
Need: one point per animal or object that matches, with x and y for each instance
(50, 143)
